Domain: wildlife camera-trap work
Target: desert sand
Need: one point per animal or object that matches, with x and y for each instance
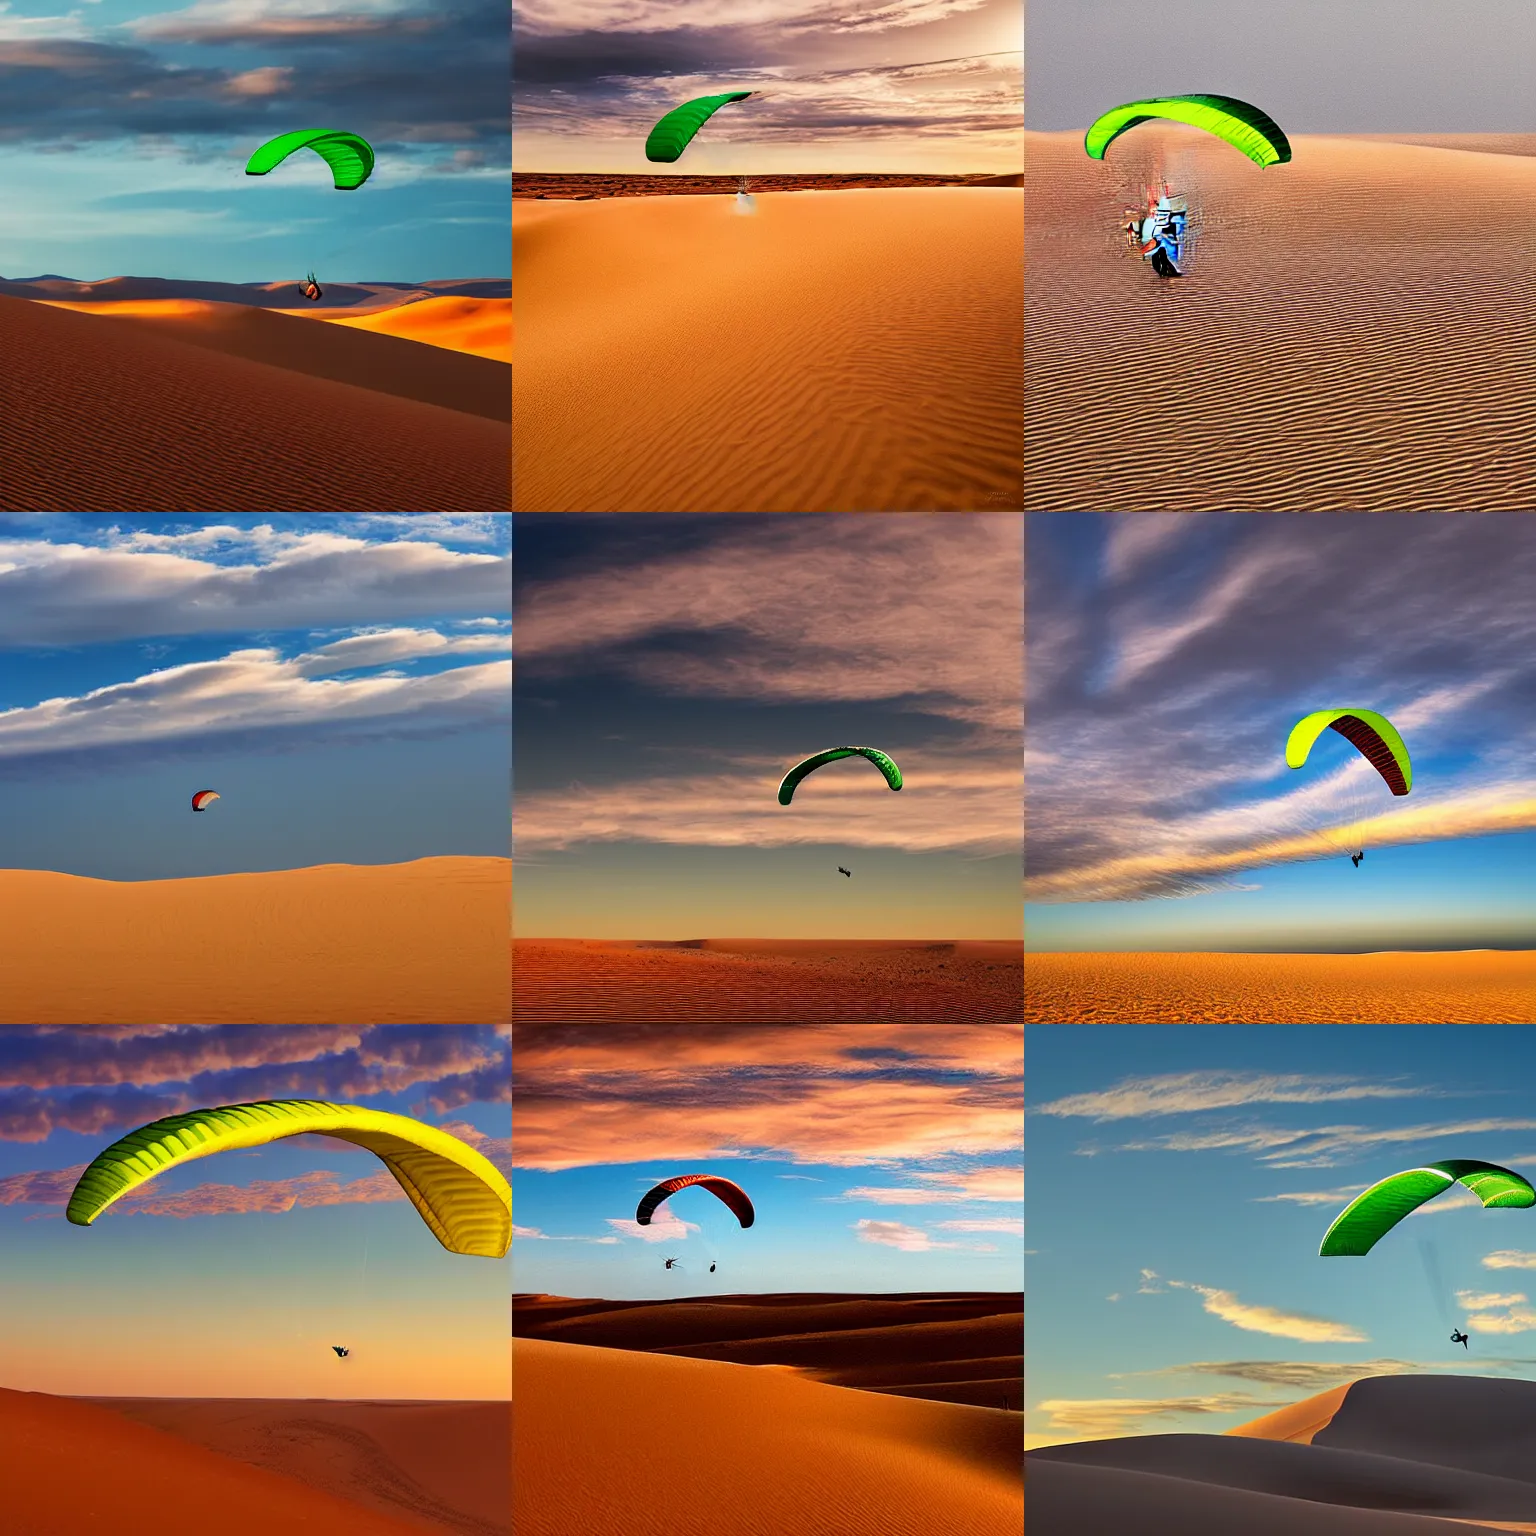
(1385, 1456)
(1352, 332)
(768, 980)
(610, 1442)
(239, 410)
(945, 1346)
(438, 1466)
(423, 942)
(71, 1467)
(1456, 987)
(853, 350)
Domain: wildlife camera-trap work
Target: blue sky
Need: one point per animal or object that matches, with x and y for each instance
(232, 1276)
(877, 1158)
(1182, 1178)
(1314, 65)
(127, 128)
(672, 669)
(1168, 656)
(343, 682)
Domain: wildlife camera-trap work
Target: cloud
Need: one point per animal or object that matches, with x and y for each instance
(1185, 1093)
(892, 1234)
(1509, 1258)
(1254, 1318)
(1103, 1418)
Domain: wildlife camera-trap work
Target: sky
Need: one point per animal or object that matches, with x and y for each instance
(930, 87)
(342, 681)
(671, 670)
(1181, 1181)
(127, 126)
(232, 1276)
(1170, 654)
(878, 1158)
(1316, 66)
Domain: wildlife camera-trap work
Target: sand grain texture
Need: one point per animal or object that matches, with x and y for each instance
(424, 942)
(1353, 332)
(773, 981)
(836, 351)
(1463, 987)
(612, 1443)
(69, 1467)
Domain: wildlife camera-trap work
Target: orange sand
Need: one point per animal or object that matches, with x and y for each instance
(226, 408)
(1299, 1421)
(445, 1465)
(423, 942)
(948, 1347)
(608, 1442)
(1466, 987)
(1352, 333)
(836, 351)
(482, 327)
(767, 981)
(70, 1467)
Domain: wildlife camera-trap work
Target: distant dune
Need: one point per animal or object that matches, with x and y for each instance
(482, 327)
(609, 1442)
(1386, 1456)
(836, 351)
(1456, 987)
(424, 942)
(445, 1465)
(768, 980)
(228, 409)
(946, 1346)
(1352, 332)
(71, 1467)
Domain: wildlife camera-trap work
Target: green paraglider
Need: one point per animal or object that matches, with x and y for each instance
(349, 156)
(1374, 735)
(811, 764)
(1370, 1216)
(674, 132)
(1242, 125)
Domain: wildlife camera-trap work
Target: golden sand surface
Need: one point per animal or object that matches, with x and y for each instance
(1352, 332)
(767, 980)
(1460, 987)
(1297, 1422)
(837, 351)
(423, 942)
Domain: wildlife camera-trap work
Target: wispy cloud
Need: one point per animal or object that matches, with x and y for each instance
(1186, 1093)
(1256, 1318)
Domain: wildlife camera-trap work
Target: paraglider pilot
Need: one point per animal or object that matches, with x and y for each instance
(1458, 1337)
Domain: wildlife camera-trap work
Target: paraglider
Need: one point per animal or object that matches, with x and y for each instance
(341, 1351)
(674, 132)
(311, 289)
(732, 1194)
(711, 1269)
(458, 1192)
(1458, 1337)
(1374, 735)
(817, 760)
(1160, 235)
(1246, 127)
(204, 798)
(669, 1263)
(843, 871)
(349, 155)
(1370, 1216)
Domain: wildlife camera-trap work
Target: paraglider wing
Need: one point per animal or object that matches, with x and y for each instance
(461, 1195)
(732, 1194)
(204, 798)
(1370, 1216)
(1374, 735)
(811, 764)
(674, 132)
(349, 155)
(1242, 125)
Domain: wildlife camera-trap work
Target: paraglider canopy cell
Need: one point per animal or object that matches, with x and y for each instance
(674, 132)
(204, 798)
(349, 155)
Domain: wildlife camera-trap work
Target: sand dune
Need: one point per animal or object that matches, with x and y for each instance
(134, 417)
(407, 357)
(1352, 332)
(447, 1466)
(1386, 1456)
(767, 980)
(947, 1347)
(424, 942)
(836, 351)
(608, 1442)
(74, 1468)
(1461, 987)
